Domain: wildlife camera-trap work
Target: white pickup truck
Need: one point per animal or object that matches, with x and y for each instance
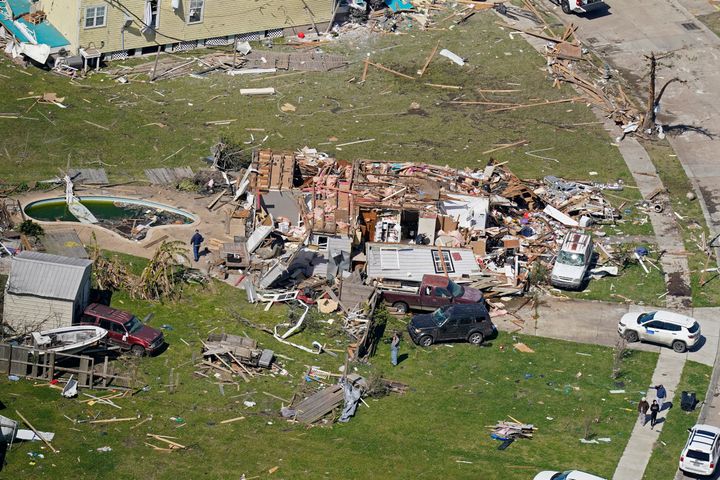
(579, 6)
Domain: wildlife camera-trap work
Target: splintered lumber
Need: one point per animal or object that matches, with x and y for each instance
(230, 420)
(389, 70)
(113, 420)
(39, 435)
(539, 104)
(365, 69)
(504, 146)
(164, 439)
(316, 406)
(429, 59)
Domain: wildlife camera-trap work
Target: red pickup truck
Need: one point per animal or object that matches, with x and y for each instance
(124, 329)
(435, 291)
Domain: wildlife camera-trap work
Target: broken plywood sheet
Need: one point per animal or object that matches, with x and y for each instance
(168, 176)
(89, 176)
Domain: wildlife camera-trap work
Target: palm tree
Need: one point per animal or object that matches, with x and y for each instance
(161, 278)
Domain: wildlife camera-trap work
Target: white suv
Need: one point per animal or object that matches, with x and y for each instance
(700, 455)
(671, 329)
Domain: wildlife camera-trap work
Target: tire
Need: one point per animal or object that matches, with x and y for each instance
(566, 7)
(475, 338)
(425, 341)
(679, 346)
(401, 307)
(631, 336)
(138, 350)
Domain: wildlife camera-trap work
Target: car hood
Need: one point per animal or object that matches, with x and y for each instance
(147, 334)
(630, 319)
(424, 320)
(471, 295)
(568, 271)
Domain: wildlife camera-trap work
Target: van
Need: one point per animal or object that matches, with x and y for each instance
(572, 261)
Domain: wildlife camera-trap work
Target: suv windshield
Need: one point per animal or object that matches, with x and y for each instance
(133, 325)
(439, 317)
(572, 259)
(646, 317)
(561, 476)
(455, 289)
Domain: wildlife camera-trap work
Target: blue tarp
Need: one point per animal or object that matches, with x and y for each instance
(44, 33)
(399, 5)
(19, 7)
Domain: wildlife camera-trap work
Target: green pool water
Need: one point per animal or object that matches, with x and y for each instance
(109, 209)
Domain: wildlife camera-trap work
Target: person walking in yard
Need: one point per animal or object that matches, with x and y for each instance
(643, 407)
(654, 409)
(196, 241)
(394, 348)
(661, 395)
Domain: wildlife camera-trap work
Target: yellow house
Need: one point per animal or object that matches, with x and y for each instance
(121, 28)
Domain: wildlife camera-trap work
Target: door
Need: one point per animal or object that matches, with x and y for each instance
(674, 332)
(449, 331)
(116, 332)
(654, 331)
(466, 322)
(439, 296)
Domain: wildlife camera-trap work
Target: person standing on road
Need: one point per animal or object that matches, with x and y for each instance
(394, 348)
(196, 241)
(643, 407)
(654, 409)
(661, 395)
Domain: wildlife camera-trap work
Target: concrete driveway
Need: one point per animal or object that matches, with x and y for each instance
(629, 30)
(596, 323)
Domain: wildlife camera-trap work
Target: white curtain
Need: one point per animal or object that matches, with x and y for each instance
(175, 4)
(147, 18)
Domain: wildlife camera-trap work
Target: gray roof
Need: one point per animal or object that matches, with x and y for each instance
(45, 275)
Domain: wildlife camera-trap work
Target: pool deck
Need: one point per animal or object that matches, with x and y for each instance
(210, 223)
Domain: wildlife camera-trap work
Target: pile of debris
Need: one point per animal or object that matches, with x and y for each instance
(348, 391)
(316, 230)
(508, 432)
(228, 355)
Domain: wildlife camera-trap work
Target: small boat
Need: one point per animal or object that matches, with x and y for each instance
(8, 428)
(65, 339)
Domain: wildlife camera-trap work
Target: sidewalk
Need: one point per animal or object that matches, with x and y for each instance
(640, 446)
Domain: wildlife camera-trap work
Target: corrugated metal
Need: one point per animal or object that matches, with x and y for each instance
(411, 262)
(48, 276)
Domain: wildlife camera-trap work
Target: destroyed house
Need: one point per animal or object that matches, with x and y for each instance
(45, 291)
(115, 30)
(410, 262)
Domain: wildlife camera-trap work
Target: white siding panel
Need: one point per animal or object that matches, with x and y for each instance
(22, 312)
(414, 262)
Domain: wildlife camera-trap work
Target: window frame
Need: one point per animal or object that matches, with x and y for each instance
(95, 16)
(446, 259)
(190, 9)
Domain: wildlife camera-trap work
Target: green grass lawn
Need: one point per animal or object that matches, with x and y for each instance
(712, 21)
(665, 457)
(437, 429)
(328, 104)
(692, 225)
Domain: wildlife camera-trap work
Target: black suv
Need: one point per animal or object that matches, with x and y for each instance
(469, 322)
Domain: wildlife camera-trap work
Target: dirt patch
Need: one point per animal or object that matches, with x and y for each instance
(676, 285)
